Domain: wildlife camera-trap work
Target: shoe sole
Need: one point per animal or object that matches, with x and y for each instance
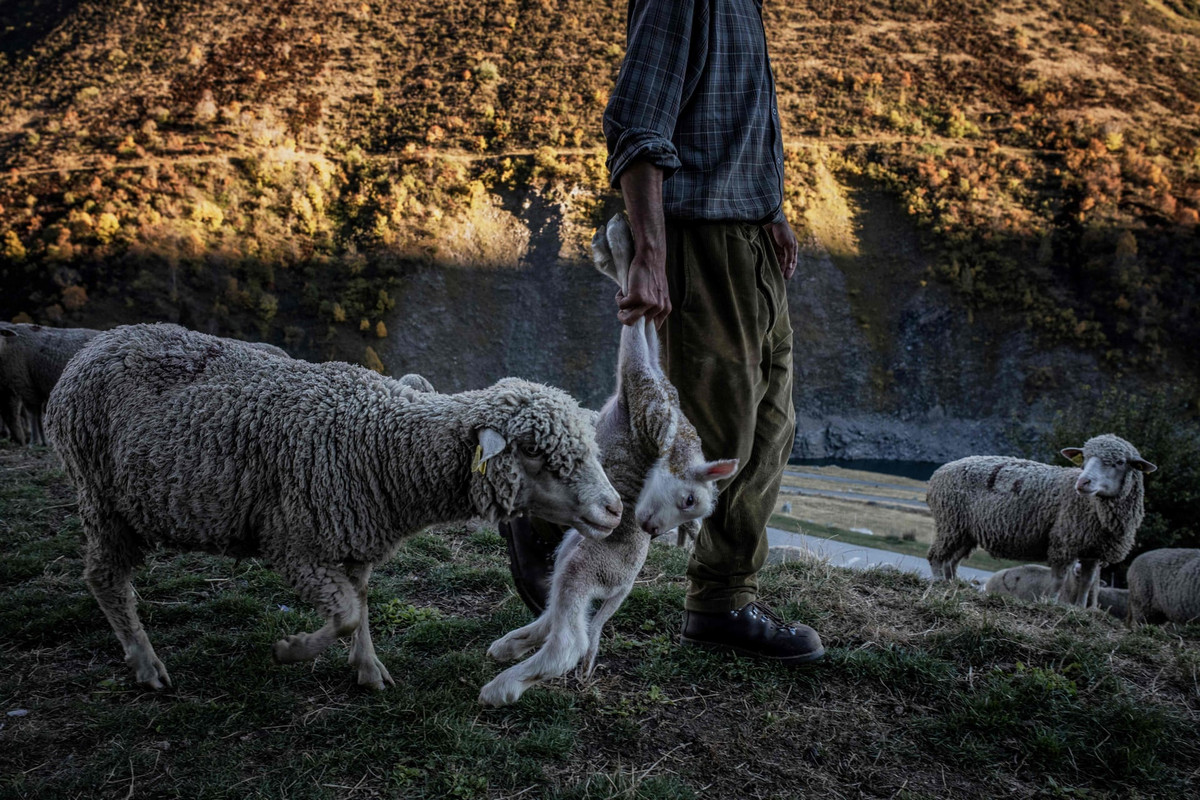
(801, 658)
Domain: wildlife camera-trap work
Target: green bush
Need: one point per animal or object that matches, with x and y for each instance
(1163, 426)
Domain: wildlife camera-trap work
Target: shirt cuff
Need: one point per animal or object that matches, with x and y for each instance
(779, 216)
(640, 144)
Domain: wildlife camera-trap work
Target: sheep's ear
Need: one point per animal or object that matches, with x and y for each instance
(715, 470)
(7, 332)
(1074, 455)
(491, 443)
(1142, 465)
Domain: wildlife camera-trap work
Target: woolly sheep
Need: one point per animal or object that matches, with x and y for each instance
(1037, 582)
(653, 457)
(32, 357)
(194, 442)
(1114, 601)
(1014, 508)
(1164, 585)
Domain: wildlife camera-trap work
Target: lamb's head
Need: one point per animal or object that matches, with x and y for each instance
(537, 454)
(681, 488)
(1112, 467)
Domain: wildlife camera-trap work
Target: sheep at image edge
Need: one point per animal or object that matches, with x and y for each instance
(194, 442)
(1164, 585)
(32, 357)
(1020, 509)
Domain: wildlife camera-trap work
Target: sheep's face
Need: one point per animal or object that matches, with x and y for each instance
(548, 452)
(582, 498)
(1107, 462)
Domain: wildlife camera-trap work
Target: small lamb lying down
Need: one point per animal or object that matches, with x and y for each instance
(651, 454)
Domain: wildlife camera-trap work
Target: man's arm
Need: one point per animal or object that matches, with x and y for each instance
(641, 185)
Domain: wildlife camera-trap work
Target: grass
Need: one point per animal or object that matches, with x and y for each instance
(926, 691)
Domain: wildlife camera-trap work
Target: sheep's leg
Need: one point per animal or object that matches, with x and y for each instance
(371, 671)
(336, 599)
(1076, 592)
(10, 410)
(108, 563)
(515, 644)
(36, 435)
(603, 614)
(565, 645)
(948, 549)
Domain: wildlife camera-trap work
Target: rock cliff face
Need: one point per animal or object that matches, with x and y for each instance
(886, 366)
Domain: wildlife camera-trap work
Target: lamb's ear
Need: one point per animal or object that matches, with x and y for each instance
(715, 470)
(491, 443)
(1074, 455)
(1142, 465)
(7, 332)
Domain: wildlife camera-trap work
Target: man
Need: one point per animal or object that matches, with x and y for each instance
(695, 146)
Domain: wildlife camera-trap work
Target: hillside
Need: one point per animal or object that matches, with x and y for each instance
(999, 200)
(926, 692)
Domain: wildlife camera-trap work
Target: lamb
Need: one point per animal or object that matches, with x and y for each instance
(1164, 585)
(1037, 582)
(1015, 508)
(32, 357)
(652, 454)
(195, 442)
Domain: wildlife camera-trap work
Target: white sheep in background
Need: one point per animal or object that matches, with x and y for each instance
(652, 454)
(194, 442)
(32, 357)
(1014, 508)
(1037, 582)
(1164, 585)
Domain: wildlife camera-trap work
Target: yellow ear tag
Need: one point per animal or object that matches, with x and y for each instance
(477, 463)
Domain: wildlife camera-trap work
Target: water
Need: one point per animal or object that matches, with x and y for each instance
(916, 470)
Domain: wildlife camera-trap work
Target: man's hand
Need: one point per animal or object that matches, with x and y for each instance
(648, 295)
(787, 249)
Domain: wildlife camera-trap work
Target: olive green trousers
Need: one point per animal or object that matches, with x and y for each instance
(727, 347)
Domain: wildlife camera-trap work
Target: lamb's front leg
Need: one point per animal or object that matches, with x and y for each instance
(515, 644)
(566, 642)
(371, 671)
(603, 614)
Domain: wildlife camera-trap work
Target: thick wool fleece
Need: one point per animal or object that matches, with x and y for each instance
(195, 442)
(1165, 585)
(1014, 508)
(31, 362)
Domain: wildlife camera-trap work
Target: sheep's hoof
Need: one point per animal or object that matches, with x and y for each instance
(149, 670)
(374, 675)
(500, 692)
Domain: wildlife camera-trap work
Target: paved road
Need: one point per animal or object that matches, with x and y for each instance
(856, 481)
(841, 554)
(873, 498)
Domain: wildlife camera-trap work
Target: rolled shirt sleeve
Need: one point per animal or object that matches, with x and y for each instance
(642, 112)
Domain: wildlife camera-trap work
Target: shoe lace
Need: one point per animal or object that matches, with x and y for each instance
(766, 612)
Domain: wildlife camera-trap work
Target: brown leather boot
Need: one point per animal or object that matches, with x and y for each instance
(753, 630)
(531, 547)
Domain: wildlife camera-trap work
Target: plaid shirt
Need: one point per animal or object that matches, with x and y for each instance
(696, 97)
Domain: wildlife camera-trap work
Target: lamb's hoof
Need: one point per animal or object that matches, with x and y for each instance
(374, 675)
(507, 649)
(290, 650)
(500, 692)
